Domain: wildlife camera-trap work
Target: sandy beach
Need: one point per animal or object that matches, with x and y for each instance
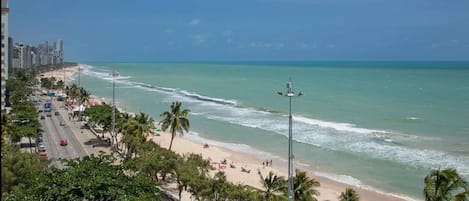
(61, 74)
(329, 189)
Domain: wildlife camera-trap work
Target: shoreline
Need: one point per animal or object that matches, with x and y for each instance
(330, 189)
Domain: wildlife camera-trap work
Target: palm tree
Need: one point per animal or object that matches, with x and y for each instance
(59, 85)
(145, 122)
(84, 95)
(304, 187)
(273, 184)
(463, 196)
(132, 137)
(442, 185)
(72, 92)
(176, 120)
(349, 195)
(122, 119)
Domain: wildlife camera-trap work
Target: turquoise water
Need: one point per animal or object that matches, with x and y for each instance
(379, 124)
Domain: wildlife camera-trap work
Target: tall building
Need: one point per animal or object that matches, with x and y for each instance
(4, 51)
(59, 47)
(10, 53)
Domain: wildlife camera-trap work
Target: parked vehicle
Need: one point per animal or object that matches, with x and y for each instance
(43, 117)
(56, 113)
(43, 153)
(41, 146)
(62, 123)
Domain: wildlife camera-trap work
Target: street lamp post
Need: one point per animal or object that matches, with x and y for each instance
(290, 93)
(79, 93)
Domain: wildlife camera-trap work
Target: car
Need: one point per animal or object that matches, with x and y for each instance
(43, 117)
(62, 123)
(39, 111)
(41, 146)
(56, 113)
(40, 139)
(43, 153)
(48, 114)
(63, 142)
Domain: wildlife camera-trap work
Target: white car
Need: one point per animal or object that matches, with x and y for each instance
(41, 146)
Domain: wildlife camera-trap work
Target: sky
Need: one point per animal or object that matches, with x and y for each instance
(246, 30)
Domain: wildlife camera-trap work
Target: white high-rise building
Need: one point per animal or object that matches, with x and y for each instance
(59, 47)
(5, 48)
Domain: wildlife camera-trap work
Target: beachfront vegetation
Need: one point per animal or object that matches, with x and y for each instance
(349, 195)
(176, 120)
(76, 94)
(274, 187)
(100, 115)
(19, 169)
(89, 178)
(445, 185)
(305, 187)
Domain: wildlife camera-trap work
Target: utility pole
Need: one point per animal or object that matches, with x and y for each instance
(113, 104)
(289, 93)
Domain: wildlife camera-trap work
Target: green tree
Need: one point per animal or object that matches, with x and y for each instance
(242, 192)
(187, 168)
(19, 169)
(176, 120)
(84, 95)
(349, 195)
(59, 84)
(304, 187)
(100, 115)
(145, 123)
(132, 137)
(89, 178)
(72, 92)
(274, 186)
(27, 124)
(444, 185)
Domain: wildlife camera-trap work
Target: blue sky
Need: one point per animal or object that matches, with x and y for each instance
(242, 30)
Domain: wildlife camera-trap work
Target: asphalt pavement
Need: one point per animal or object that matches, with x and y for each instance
(71, 131)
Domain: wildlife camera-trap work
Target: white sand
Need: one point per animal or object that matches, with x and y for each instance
(330, 190)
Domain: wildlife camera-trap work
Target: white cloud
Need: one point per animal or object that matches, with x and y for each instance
(260, 44)
(331, 46)
(194, 22)
(168, 30)
(435, 45)
(229, 40)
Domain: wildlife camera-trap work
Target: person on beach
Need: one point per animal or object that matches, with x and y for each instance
(271, 163)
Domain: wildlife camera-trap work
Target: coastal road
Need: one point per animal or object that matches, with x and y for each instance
(54, 132)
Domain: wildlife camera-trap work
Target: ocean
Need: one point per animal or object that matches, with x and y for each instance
(379, 125)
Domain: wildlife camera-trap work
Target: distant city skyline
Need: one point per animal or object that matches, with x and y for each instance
(214, 30)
